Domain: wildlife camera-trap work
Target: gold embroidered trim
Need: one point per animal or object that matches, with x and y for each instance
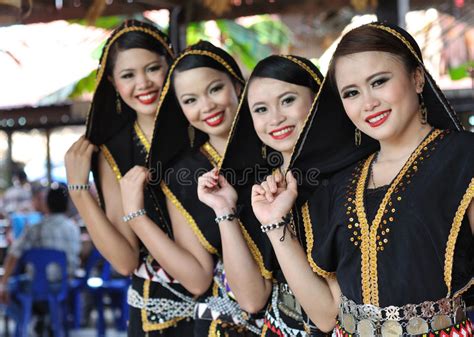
(257, 255)
(308, 228)
(167, 84)
(264, 330)
(213, 329)
(370, 291)
(453, 235)
(110, 159)
(105, 53)
(146, 324)
(166, 190)
(141, 136)
(464, 289)
(211, 154)
(304, 66)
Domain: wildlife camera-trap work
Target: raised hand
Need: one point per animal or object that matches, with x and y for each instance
(216, 192)
(131, 188)
(78, 161)
(274, 198)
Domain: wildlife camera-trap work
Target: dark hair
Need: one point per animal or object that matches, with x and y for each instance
(283, 69)
(135, 39)
(57, 198)
(368, 38)
(20, 175)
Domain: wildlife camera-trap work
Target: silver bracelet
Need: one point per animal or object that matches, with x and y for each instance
(76, 187)
(133, 215)
(230, 217)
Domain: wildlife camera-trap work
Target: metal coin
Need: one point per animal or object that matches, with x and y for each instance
(440, 322)
(392, 329)
(366, 328)
(349, 323)
(417, 326)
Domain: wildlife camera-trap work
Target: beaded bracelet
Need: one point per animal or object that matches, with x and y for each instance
(230, 217)
(76, 187)
(133, 215)
(285, 221)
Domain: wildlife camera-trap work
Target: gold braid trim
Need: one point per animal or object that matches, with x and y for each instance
(257, 255)
(308, 229)
(212, 155)
(464, 289)
(110, 159)
(453, 235)
(141, 136)
(166, 190)
(264, 330)
(213, 329)
(304, 66)
(167, 84)
(146, 324)
(370, 291)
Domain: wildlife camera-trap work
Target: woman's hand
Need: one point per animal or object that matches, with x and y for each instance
(274, 198)
(216, 192)
(131, 188)
(78, 161)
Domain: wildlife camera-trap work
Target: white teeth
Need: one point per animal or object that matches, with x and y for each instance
(377, 118)
(282, 132)
(146, 97)
(214, 119)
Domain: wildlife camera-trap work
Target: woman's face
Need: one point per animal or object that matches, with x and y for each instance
(279, 110)
(208, 98)
(138, 77)
(378, 93)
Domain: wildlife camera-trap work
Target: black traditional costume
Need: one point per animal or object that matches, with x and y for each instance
(112, 126)
(403, 253)
(177, 168)
(248, 161)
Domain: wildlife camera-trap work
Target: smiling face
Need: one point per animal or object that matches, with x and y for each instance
(208, 98)
(379, 94)
(278, 111)
(138, 77)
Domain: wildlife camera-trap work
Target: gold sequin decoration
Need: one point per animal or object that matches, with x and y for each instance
(453, 235)
(110, 159)
(308, 228)
(141, 136)
(370, 293)
(190, 220)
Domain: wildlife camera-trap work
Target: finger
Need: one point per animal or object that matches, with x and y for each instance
(292, 184)
(83, 146)
(257, 190)
(222, 181)
(272, 184)
(278, 176)
(268, 193)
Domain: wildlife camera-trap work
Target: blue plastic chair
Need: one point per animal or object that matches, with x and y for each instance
(29, 288)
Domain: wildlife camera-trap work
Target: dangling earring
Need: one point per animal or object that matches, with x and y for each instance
(118, 103)
(423, 110)
(191, 135)
(264, 151)
(357, 137)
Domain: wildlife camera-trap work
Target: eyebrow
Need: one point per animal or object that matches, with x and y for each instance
(368, 79)
(147, 65)
(278, 97)
(207, 87)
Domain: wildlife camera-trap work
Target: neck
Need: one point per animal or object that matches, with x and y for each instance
(218, 143)
(146, 123)
(402, 145)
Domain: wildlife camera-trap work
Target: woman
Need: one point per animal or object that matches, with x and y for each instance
(130, 77)
(396, 227)
(198, 105)
(273, 110)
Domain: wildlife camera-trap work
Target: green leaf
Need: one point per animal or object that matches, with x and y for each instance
(85, 85)
(461, 71)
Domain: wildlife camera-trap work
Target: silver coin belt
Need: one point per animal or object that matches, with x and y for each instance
(225, 305)
(165, 309)
(411, 319)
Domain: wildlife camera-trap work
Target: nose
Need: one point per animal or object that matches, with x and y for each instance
(276, 117)
(143, 81)
(207, 104)
(370, 102)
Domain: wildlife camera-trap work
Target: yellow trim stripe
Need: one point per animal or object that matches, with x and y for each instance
(110, 159)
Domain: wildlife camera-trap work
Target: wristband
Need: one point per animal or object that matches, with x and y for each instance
(230, 217)
(76, 187)
(133, 215)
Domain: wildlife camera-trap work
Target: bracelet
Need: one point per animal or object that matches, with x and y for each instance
(75, 187)
(230, 217)
(286, 220)
(133, 215)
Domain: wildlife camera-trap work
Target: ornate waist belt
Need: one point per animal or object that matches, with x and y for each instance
(367, 320)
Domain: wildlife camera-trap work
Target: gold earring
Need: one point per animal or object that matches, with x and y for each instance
(191, 135)
(423, 110)
(118, 103)
(264, 151)
(357, 137)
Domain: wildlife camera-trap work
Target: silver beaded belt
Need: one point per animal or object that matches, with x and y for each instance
(367, 320)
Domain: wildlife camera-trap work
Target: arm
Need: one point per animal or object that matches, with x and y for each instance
(112, 237)
(250, 288)
(192, 265)
(320, 298)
